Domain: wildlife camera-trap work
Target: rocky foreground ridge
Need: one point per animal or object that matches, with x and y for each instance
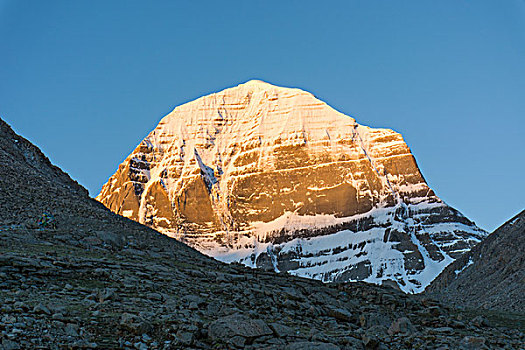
(272, 177)
(491, 275)
(73, 275)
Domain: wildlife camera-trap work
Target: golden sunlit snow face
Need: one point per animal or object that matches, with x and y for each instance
(244, 173)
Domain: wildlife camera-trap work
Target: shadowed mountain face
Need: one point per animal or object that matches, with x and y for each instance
(33, 192)
(491, 275)
(82, 277)
(273, 177)
(25, 170)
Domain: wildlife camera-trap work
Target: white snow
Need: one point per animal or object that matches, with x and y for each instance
(127, 213)
(329, 256)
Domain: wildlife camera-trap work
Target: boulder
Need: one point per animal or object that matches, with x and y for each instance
(224, 329)
(401, 326)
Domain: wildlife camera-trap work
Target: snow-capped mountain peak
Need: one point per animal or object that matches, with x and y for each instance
(273, 177)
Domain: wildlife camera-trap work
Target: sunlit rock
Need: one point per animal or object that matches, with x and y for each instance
(273, 177)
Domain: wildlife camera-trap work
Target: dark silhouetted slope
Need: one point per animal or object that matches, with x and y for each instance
(491, 275)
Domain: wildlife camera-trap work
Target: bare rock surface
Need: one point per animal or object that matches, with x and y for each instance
(275, 178)
(491, 275)
(81, 277)
(238, 325)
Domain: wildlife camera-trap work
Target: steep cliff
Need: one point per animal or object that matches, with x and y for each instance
(273, 177)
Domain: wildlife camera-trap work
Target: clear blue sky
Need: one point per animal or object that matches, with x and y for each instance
(87, 80)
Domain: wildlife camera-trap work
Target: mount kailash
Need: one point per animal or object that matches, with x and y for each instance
(272, 177)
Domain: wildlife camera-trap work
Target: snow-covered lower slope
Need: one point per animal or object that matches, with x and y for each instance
(385, 244)
(273, 177)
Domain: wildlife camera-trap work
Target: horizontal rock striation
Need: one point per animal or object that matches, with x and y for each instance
(273, 177)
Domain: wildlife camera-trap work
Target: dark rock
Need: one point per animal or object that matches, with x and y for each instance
(71, 330)
(140, 346)
(228, 327)
(186, 338)
(374, 319)
(282, 331)
(107, 294)
(191, 298)
(110, 238)
(352, 343)
(154, 296)
(370, 341)
(305, 345)
(480, 321)
(434, 311)
(442, 330)
(31, 223)
(238, 341)
(10, 345)
(340, 314)
(401, 326)
(473, 343)
(135, 324)
(41, 309)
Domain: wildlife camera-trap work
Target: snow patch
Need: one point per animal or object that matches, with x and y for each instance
(127, 213)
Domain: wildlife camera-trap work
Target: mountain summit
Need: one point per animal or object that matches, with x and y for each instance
(273, 177)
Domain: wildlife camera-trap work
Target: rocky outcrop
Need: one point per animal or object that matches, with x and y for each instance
(273, 177)
(491, 275)
(38, 173)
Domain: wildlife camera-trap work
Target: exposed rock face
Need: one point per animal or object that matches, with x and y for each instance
(491, 275)
(273, 177)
